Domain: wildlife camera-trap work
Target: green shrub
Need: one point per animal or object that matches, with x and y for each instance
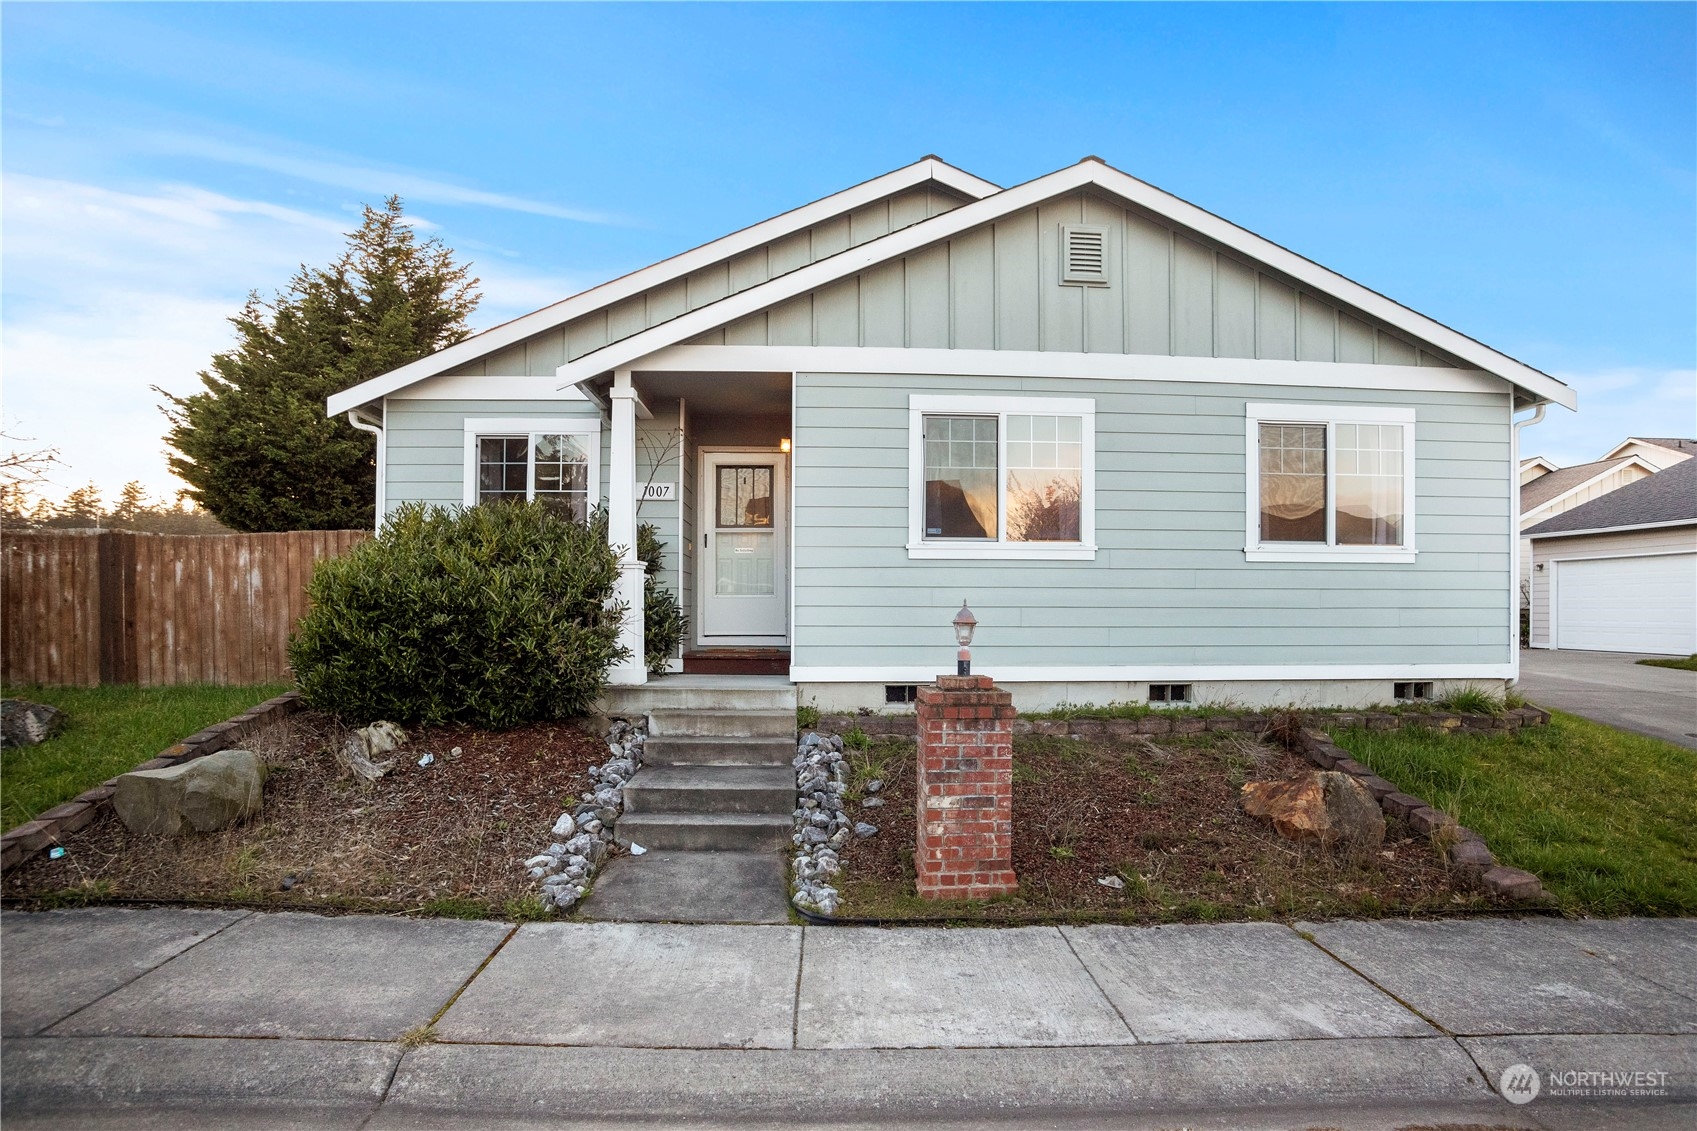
(806, 717)
(1472, 701)
(493, 615)
(664, 622)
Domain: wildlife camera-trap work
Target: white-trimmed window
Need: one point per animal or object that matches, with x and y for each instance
(555, 461)
(1001, 477)
(1331, 483)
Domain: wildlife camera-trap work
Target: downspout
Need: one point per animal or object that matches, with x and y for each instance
(376, 429)
(1514, 551)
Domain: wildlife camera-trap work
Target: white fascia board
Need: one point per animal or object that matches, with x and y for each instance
(1632, 461)
(1054, 363)
(1614, 530)
(510, 333)
(1320, 279)
(1170, 673)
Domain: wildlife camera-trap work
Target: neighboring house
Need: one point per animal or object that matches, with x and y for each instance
(1619, 573)
(1160, 456)
(1553, 490)
(1660, 452)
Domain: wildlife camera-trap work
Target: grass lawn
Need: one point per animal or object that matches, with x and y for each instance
(108, 730)
(1607, 819)
(1686, 664)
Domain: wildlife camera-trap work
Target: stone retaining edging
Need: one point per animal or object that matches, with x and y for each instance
(1158, 722)
(31, 837)
(1465, 849)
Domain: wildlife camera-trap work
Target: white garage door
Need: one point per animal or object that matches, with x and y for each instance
(1628, 604)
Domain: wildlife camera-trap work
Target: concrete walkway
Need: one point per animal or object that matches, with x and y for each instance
(1613, 688)
(179, 1018)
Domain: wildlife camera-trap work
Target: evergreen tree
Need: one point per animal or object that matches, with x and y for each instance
(255, 445)
(131, 504)
(82, 507)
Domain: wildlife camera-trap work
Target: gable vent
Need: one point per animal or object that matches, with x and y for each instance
(1084, 255)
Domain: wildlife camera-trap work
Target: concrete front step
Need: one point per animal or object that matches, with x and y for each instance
(721, 723)
(697, 832)
(711, 789)
(702, 692)
(717, 750)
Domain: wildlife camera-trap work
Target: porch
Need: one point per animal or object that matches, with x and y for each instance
(704, 458)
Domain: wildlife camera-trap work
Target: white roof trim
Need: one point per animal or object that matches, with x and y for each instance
(586, 302)
(1631, 461)
(1616, 530)
(1631, 440)
(622, 353)
(1531, 461)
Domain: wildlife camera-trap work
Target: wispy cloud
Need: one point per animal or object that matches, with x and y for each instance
(1613, 404)
(363, 178)
(109, 293)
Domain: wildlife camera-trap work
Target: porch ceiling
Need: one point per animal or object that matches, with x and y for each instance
(733, 394)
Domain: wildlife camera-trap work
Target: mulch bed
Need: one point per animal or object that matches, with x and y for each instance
(1163, 817)
(443, 839)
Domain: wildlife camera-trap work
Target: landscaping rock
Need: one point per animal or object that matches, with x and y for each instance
(1327, 807)
(23, 723)
(205, 795)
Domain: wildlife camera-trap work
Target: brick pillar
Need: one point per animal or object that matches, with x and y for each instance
(965, 845)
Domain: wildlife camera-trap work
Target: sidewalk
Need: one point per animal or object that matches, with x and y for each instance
(179, 1018)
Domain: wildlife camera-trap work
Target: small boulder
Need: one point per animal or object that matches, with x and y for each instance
(205, 794)
(1327, 807)
(23, 723)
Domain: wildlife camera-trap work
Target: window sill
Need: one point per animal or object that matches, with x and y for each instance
(1002, 551)
(1342, 554)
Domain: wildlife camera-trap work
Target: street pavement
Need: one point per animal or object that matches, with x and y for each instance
(187, 1018)
(1613, 688)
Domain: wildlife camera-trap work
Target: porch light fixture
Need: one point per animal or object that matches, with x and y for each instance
(965, 622)
(784, 445)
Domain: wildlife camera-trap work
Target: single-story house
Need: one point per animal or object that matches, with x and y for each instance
(1161, 457)
(1619, 573)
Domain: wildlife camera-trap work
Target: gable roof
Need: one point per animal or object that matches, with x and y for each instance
(1091, 171)
(926, 169)
(1667, 498)
(1547, 488)
(1671, 443)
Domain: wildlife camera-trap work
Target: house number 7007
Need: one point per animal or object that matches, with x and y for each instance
(659, 492)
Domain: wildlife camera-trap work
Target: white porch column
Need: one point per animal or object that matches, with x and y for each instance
(621, 530)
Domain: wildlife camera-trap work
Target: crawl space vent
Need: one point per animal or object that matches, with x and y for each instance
(1084, 255)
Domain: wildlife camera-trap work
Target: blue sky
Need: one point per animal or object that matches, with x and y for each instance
(1524, 173)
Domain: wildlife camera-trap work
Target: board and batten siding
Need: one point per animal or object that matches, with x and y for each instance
(1169, 585)
(425, 446)
(998, 287)
(539, 355)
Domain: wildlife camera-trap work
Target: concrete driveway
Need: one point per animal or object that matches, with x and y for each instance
(1613, 688)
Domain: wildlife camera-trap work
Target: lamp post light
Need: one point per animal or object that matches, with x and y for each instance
(965, 622)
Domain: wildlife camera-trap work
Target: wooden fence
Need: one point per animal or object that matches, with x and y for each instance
(86, 608)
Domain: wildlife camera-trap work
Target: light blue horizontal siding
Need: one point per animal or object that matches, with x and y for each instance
(1169, 584)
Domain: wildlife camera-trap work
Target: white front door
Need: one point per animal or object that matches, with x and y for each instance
(744, 501)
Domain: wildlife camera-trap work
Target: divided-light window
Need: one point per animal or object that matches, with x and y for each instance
(1002, 474)
(558, 468)
(1330, 483)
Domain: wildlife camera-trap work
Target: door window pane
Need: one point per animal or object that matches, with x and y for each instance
(502, 468)
(745, 496)
(743, 565)
(1293, 482)
(960, 477)
(562, 474)
(1045, 478)
(1369, 484)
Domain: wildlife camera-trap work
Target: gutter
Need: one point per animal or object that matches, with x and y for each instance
(374, 425)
